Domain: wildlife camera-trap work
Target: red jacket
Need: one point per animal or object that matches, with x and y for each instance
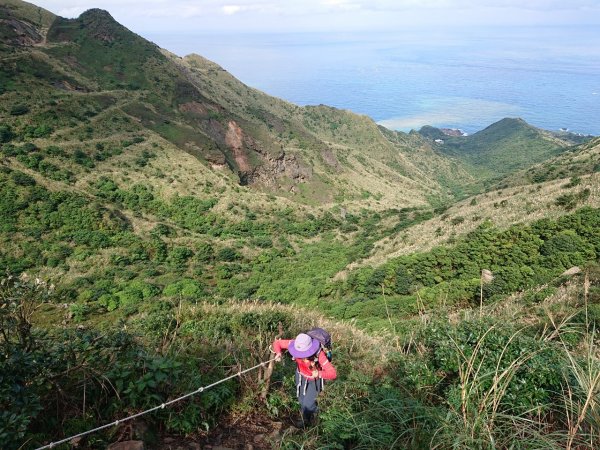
(305, 366)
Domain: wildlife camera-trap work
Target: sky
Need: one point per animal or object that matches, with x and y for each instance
(266, 16)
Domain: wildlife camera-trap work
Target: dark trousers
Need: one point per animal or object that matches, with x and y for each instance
(307, 392)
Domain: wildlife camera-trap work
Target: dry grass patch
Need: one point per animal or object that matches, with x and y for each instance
(523, 204)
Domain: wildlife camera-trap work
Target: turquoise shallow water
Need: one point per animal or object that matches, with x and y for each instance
(548, 76)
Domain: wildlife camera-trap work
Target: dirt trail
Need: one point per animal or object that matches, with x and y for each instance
(234, 433)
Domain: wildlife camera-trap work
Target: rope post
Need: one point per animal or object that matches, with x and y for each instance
(269, 371)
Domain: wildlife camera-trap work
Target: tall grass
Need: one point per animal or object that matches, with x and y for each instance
(581, 395)
(481, 419)
(486, 399)
(582, 387)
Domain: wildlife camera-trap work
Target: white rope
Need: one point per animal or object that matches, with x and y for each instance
(161, 406)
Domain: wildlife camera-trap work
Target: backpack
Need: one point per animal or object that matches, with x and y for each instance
(324, 338)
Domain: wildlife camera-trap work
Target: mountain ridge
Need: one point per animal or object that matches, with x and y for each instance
(266, 142)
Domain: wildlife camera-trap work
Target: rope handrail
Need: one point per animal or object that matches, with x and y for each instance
(161, 406)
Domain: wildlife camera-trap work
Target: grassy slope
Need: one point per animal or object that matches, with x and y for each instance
(342, 138)
(549, 189)
(313, 155)
(503, 208)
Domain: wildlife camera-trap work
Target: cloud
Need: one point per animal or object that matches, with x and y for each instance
(327, 15)
(231, 9)
(342, 5)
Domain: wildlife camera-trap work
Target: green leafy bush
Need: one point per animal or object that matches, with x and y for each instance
(186, 288)
(19, 109)
(6, 133)
(227, 254)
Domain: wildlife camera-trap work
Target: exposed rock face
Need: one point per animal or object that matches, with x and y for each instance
(20, 34)
(269, 168)
(282, 166)
(235, 141)
(330, 159)
(453, 132)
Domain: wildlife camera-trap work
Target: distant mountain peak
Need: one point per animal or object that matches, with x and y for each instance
(96, 14)
(101, 24)
(511, 121)
(96, 23)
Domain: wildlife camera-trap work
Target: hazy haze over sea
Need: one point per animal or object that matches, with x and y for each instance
(548, 76)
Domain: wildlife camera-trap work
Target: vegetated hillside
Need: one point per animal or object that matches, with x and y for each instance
(23, 23)
(151, 269)
(503, 147)
(89, 81)
(500, 207)
(575, 162)
(352, 149)
(546, 190)
(132, 177)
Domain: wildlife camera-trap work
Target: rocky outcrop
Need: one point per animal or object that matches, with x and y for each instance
(330, 159)
(17, 32)
(282, 166)
(234, 138)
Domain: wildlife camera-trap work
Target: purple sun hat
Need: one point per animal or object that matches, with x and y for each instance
(303, 346)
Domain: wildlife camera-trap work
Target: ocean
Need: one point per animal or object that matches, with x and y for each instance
(403, 80)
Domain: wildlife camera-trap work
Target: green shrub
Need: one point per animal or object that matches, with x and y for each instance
(22, 179)
(263, 242)
(227, 254)
(575, 181)
(129, 297)
(205, 252)
(109, 301)
(83, 159)
(179, 256)
(534, 366)
(78, 311)
(19, 109)
(163, 230)
(6, 133)
(54, 150)
(186, 288)
(39, 131)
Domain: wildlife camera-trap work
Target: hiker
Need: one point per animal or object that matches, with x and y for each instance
(313, 367)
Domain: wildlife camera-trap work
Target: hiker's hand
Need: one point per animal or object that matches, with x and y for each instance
(278, 357)
(315, 373)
